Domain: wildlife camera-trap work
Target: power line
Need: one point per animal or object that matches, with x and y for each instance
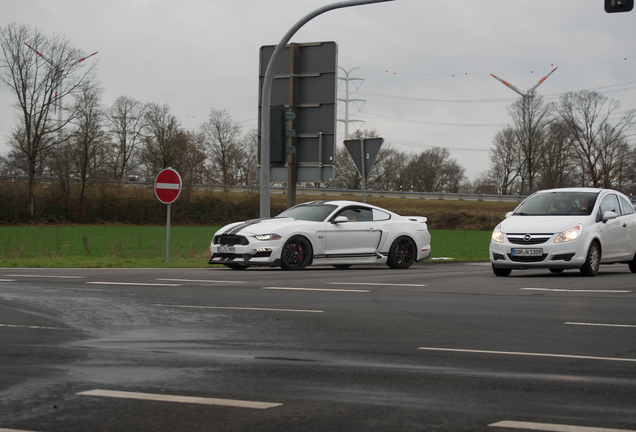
(434, 123)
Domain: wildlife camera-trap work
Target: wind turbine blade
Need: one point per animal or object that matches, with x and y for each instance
(541, 80)
(84, 58)
(514, 88)
(39, 53)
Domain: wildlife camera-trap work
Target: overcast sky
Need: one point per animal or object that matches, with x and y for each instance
(426, 64)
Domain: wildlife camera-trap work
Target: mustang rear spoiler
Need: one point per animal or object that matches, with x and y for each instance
(420, 219)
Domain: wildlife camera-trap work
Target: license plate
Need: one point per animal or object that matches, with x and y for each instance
(226, 249)
(526, 252)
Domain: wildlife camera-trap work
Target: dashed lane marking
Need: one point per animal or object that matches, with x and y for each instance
(7, 280)
(376, 284)
(530, 354)
(316, 289)
(242, 308)
(601, 325)
(180, 399)
(575, 290)
(553, 427)
(32, 327)
(46, 276)
(135, 284)
(205, 281)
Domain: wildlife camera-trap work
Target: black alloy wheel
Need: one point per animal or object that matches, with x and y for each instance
(402, 253)
(297, 254)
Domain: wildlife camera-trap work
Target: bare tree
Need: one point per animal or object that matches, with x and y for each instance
(164, 144)
(221, 136)
(531, 116)
(597, 141)
(126, 123)
(505, 160)
(35, 80)
(248, 169)
(557, 162)
(428, 170)
(88, 140)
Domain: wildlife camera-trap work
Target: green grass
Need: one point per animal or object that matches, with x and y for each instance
(145, 246)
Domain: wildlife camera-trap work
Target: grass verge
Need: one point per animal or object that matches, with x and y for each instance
(131, 246)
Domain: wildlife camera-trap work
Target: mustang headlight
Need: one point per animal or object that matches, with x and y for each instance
(265, 237)
(497, 235)
(568, 235)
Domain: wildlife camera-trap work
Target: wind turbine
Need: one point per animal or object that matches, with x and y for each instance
(530, 92)
(58, 91)
(527, 102)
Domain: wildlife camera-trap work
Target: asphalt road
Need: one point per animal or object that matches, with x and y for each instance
(438, 347)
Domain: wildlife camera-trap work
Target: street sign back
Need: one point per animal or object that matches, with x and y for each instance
(315, 109)
(363, 152)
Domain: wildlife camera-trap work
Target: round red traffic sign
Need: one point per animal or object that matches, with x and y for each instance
(168, 186)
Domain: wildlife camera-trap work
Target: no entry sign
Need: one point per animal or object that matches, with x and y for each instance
(168, 186)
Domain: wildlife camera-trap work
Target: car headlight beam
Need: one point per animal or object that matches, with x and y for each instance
(267, 237)
(568, 235)
(497, 235)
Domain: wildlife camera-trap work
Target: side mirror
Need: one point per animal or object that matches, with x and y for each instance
(508, 215)
(608, 215)
(340, 219)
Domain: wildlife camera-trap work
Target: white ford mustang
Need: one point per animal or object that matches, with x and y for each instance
(337, 233)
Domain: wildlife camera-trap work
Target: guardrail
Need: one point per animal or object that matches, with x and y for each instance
(305, 190)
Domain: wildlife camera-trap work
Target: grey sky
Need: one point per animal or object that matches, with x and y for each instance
(426, 64)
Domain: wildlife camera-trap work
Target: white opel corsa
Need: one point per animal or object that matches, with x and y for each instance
(569, 228)
(337, 233)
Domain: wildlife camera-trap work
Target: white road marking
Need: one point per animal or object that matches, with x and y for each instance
(529, 354)
(573, 290)
(601, 325)
(134, 283)
(553, 427)
(375, 284)
(7, 280)
(32, 327)
(315, 289)
(181, 399)
(242, 308)
(47, 276)
(195, 280)
(14, 430)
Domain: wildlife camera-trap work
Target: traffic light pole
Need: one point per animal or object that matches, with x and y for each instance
(267, 92)
(292, 164)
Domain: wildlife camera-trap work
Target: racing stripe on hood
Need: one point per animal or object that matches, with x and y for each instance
(245, 224)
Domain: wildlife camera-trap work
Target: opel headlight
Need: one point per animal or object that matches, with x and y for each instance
(497, 235)
(568, 235)
(266, 237)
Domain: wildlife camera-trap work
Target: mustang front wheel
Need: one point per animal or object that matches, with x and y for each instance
(296, 254)
(402, 253)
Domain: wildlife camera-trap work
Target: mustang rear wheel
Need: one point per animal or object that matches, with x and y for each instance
(297, 254)
(402, 253)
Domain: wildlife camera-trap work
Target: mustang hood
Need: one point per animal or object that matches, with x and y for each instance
(539, 224)
(256, 226)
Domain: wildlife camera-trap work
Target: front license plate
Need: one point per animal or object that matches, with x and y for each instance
(526, 252)
(226, 249)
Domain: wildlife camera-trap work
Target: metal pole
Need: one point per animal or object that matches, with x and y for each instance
(267, 92)
(168, 237)
(364, 172)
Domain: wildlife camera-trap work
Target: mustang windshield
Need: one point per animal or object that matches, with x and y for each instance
(558, 203)
(314, 213)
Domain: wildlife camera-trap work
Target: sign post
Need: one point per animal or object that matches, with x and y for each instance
(167, 188)
(363, 152)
